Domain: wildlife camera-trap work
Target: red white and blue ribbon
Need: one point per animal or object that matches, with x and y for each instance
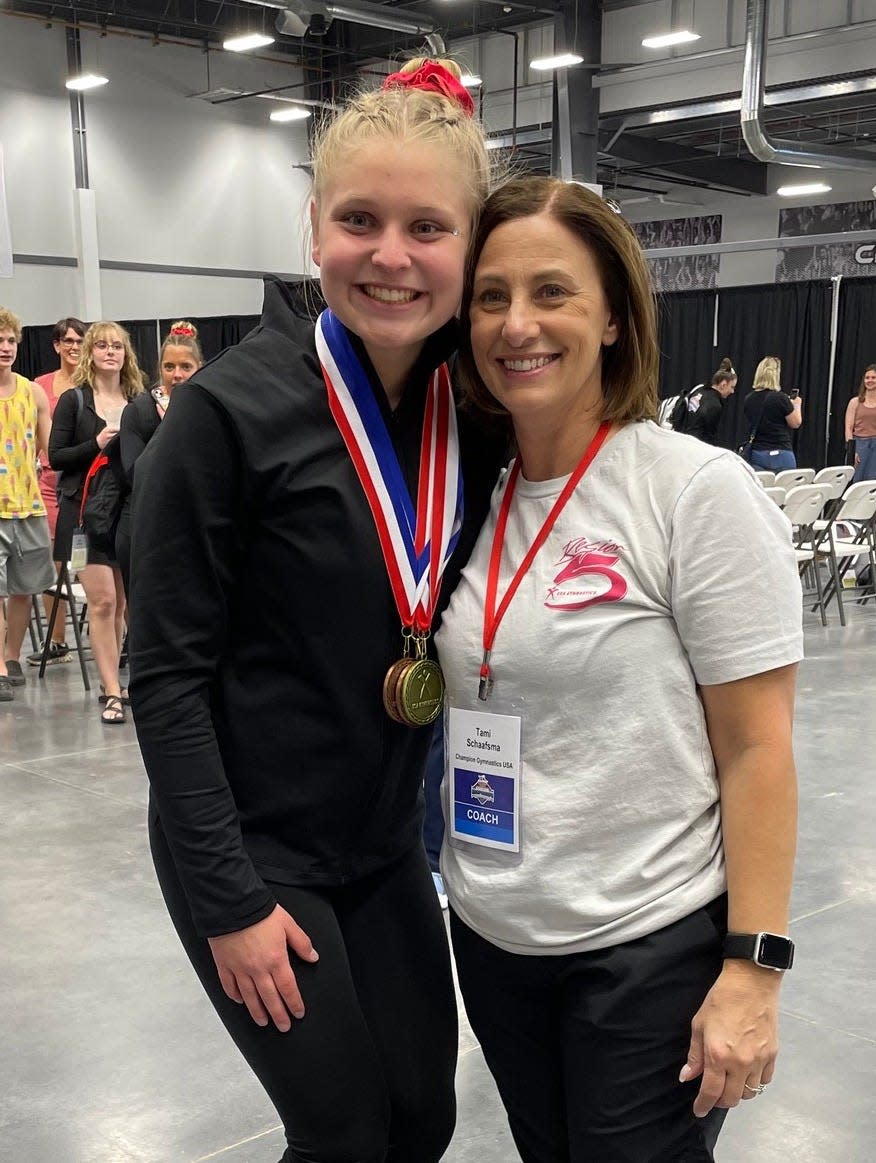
(417, 542)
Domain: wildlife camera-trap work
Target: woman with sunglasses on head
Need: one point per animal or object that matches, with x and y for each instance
(179, 359)
(292, 519)
(67, 341)
(86, 419)
(621, 778)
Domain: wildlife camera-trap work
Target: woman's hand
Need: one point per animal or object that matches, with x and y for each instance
(254, 968)
(105, 436)
(734, 1036)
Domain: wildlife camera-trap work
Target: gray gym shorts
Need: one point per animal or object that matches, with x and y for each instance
(25, 556)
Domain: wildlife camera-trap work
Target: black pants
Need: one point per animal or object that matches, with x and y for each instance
(586, 1048)
(367, 1075)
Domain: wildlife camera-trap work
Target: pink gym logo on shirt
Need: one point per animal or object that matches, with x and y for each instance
(591, 559)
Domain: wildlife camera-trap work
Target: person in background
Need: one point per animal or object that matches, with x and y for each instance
(25, 554)
(179, 358)
(705, 403)
(772, 415)
(86, 418)
(861, 426)
(620, 784)
(292, 517)
(67, 341)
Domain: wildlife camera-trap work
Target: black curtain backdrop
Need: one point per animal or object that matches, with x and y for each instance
(36, 355)
(855, 349)
(792, 321)
(686, 326)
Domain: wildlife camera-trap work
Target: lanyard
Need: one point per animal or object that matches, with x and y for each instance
(416, 541)
(492, 615)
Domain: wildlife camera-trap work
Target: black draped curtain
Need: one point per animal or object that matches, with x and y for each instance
(855, 349)
(792, 321)
(686, 326)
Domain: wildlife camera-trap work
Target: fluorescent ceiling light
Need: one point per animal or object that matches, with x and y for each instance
(670, 38)
(246, 42)
(557, 62)
(811, 188)
(86, 81)
(292, 113)
(470, 80)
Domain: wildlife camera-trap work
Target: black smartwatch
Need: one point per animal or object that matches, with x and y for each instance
(766, 949)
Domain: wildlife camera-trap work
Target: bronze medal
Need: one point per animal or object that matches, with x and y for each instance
(419, 693)
(389, 689)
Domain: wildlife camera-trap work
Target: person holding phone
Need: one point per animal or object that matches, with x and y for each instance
(772, 415)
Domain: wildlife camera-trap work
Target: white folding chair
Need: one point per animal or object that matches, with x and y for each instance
(765, 477)
(803, 505)
(837, 473)
(789, 478)
(831, 540)
(776, 493)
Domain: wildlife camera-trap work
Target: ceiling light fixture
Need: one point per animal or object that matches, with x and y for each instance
(670, 38)
(85, 81)
(247, 41)
(803, 189)
(562, 61)
(470, 80)
(292, 113)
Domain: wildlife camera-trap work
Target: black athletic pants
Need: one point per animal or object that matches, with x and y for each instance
(367, 1075)
(586, 1048)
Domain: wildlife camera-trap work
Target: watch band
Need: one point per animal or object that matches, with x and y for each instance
(769, 950)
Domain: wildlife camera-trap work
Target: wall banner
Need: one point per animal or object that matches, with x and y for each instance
(827, 260)
(687, 272)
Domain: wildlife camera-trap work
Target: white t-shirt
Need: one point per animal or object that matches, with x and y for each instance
(669, 568)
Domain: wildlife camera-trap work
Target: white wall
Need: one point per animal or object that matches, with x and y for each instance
(177, 181)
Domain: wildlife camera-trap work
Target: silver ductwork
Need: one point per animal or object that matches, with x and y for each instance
(764, 148)
(296, 17)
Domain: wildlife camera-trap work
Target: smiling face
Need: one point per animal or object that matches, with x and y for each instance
(389, 237)
(177, 365)
(539, 321)
(69, 348)
(870, 381)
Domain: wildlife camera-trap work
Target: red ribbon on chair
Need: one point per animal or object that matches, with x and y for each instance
(434, 78)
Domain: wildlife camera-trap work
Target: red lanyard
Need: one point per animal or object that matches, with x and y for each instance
(492, 615)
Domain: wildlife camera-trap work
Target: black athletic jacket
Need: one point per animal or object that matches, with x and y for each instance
(262, 624)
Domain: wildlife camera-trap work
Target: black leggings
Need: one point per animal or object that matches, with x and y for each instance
(586, 1048)
(367, 1075)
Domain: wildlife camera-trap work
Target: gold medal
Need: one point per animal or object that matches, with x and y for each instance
(420, 692)
(413, 689)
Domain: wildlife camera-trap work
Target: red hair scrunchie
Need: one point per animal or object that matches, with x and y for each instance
(188, 332)
(433, 78)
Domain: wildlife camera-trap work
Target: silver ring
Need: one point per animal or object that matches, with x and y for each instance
(759, 1089)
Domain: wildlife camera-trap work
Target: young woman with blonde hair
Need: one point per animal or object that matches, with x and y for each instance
(772, 415)
(292, 518)
(86, 418)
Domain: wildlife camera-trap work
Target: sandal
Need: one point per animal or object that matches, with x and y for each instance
(113, 712)
(125, 697)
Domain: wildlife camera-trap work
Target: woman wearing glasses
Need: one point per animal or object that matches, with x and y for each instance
(67, 341)
(86, 419)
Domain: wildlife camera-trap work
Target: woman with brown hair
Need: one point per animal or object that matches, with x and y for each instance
(861, 426)
(67, 341)
(621, 785)
(86, 418)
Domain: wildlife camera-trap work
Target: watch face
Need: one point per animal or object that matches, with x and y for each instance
(775, 952)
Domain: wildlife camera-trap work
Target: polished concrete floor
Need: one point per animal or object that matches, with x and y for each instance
(110, 1054)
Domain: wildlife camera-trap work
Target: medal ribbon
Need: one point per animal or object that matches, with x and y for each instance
(492, 615)
(416, 543)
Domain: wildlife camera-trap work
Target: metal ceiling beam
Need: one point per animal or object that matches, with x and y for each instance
(758, 140)
(737, 174)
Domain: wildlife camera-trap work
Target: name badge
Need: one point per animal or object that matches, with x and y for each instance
(79, 550)
(483, 763)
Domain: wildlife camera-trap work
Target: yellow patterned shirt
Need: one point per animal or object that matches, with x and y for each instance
(19, 486)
